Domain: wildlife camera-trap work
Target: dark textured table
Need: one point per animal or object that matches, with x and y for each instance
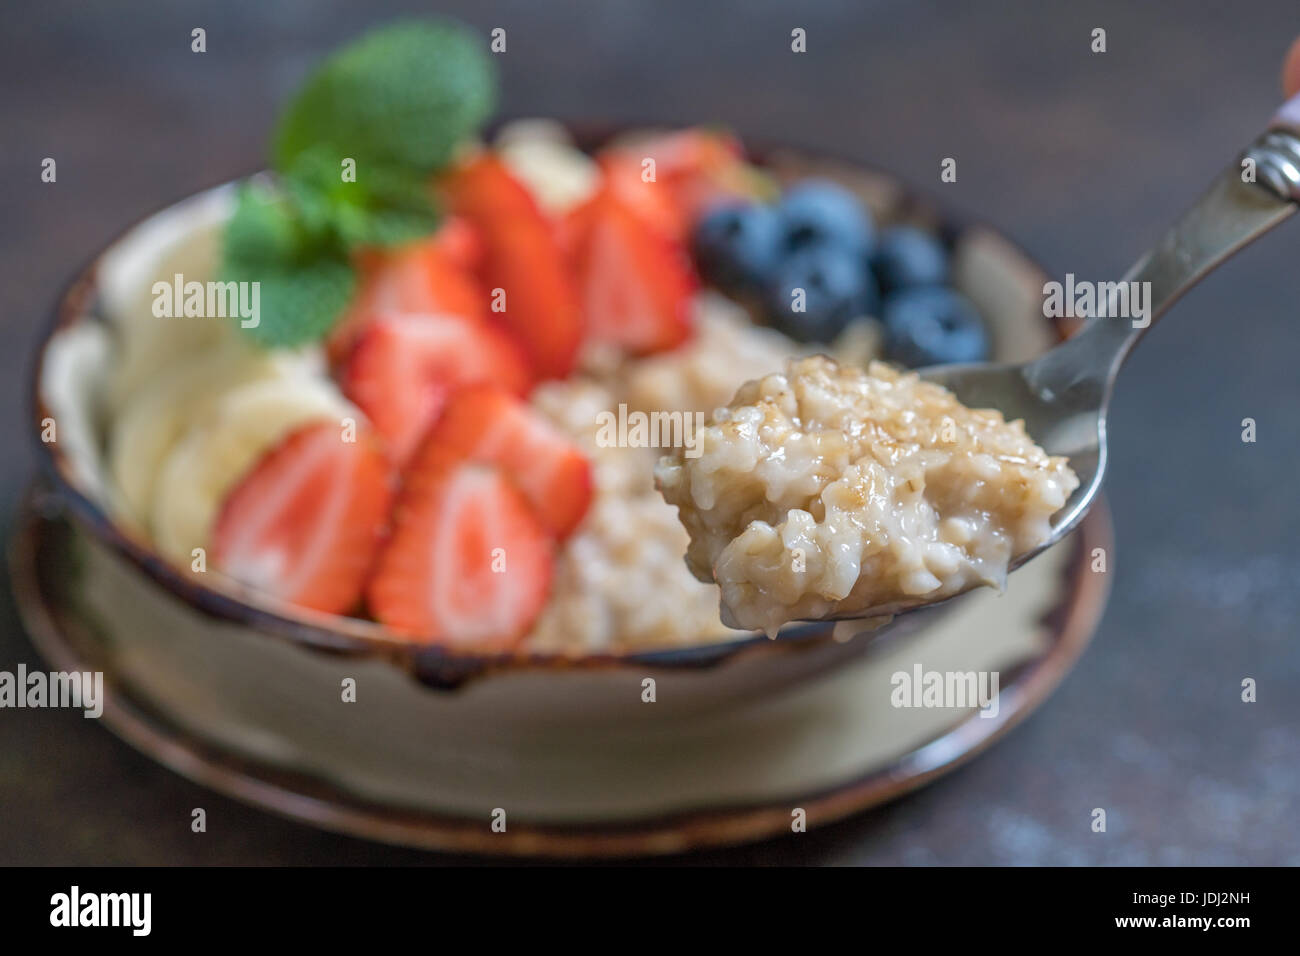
(1082, 157)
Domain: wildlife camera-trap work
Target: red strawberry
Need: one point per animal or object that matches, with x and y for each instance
(468, 564)
(422, 276)
(459, 244)
(306, 522)
(698, 166)
(406, 364)
(635, 284)
(485, 423)
(654, 202)
(522, 256)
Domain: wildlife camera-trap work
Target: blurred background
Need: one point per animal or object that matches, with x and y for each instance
(1083, 158)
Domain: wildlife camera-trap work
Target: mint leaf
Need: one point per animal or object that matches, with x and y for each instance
(300, 304)
(403, 95)
(397, 102)
(304, 280)
(263, 227)
(384, 206)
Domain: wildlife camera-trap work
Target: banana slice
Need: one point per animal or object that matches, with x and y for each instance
(558, 175)
(154, 418)
(208, 461)
(186, 240)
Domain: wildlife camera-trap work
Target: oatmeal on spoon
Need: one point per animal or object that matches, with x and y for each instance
(825, 491)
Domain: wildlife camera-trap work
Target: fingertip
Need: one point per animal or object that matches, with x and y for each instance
(1291, 70)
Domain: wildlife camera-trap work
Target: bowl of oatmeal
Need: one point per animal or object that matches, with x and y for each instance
(621, 604)
(336, 483)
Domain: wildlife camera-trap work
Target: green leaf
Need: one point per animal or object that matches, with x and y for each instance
(304, 279)
(403, 95)
(383, 206)
(299, 303)
(263, 228)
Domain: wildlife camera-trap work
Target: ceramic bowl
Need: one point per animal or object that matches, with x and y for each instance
(264, 679)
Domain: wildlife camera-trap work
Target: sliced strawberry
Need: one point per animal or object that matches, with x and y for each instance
(654, 202)
(306, 522)
(423, 276)
(522, 256)
(406, 364)
(635, 284)
(468, 564)
(697, 166)
(459, 244)
(485, 423)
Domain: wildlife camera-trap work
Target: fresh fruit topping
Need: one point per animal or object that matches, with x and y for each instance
(468, 564)
(818, 291)
(418, 277)
(242, 422)
(699, 167)
(908, 256)
(654, 202)
(487, 424)
(353, 153)
(542, 156)
(306, 522)
(818, 212)
(522, 258)
(405, 365)
(932, 325)
(459, 244)
(635, 285)
(736, 245)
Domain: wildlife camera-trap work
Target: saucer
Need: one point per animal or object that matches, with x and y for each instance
(825, 749)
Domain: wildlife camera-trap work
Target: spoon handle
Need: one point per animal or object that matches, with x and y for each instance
(1245, 201)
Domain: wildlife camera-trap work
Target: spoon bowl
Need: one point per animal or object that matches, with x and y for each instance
(1063, 395)
(1069, 424)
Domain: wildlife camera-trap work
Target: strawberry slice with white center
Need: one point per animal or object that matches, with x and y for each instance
(468, 565)
(487, 424)
(306, 522)
(405, 365)
(521, 256)
(428, 275)
(635, 284)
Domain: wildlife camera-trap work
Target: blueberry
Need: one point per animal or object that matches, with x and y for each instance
(736, 246)
(819, 212)
(907, 257)
(836, 289)
(932, 325)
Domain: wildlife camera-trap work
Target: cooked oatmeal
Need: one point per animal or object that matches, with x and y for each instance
(829, 491)
(629, 545)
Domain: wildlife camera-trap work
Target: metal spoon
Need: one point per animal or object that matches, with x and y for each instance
(1063, 395)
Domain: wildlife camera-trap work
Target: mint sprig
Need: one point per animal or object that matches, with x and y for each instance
(305, 282)
(403, 95)
(385, 206)
(395, 103)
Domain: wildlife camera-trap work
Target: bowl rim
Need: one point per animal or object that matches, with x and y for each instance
(229, 600)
